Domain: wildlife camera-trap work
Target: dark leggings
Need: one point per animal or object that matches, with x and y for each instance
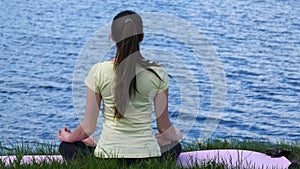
(78, 149)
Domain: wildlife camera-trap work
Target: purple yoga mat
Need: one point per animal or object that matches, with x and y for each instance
(232, 158)
(29, 159)
(8, 159)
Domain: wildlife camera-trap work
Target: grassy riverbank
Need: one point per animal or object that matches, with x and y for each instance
(24, 149)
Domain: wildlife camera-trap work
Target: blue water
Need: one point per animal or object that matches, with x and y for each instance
(258, 43)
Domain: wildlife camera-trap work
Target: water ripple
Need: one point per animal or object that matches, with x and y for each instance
(258, 43)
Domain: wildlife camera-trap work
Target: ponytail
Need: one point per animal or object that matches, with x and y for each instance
(125, 65)
(127, 31)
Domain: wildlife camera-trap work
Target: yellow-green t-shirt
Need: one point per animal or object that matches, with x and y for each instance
(131, 136)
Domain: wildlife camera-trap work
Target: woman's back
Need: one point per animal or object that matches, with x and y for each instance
(132, 135)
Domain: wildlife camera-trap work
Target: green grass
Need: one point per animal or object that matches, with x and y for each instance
(93, 162)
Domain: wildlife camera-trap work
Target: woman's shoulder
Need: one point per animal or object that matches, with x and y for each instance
(107, 62)
(102, 67)
(104, 64)
(152, 64)
(154, 69)
(159, 68)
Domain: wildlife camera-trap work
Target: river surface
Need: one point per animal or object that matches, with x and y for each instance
(257, 44)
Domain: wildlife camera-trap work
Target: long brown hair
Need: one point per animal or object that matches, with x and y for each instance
(127, 32)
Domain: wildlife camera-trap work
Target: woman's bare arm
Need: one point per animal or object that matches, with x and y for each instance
(88, 124)
(161, 109)
(167, 132)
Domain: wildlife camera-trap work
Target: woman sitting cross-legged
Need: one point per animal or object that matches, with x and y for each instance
(127, 86)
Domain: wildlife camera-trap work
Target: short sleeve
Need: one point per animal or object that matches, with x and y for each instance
(92, 80)
(164, 84)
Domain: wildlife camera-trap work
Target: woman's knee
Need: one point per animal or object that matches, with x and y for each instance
(173, 152)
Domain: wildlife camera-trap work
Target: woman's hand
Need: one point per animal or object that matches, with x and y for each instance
(64, 135)
(168, 136)
(90, 142)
